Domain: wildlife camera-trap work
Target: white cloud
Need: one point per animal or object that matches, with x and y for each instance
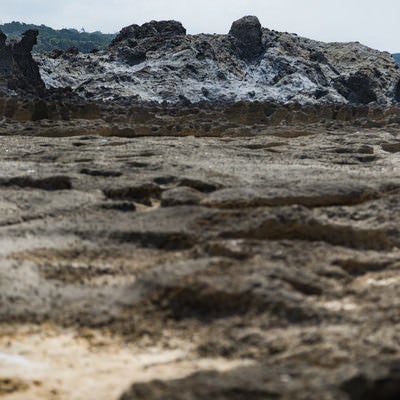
(369, 21)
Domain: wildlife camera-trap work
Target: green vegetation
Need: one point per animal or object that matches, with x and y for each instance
(63, 39)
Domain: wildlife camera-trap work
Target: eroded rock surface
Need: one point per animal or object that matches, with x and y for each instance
(262, 264)
(157, 62)
(134, 42)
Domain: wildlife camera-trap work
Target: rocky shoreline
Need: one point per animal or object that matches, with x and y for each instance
(224, 250)
(159, 63)
(274, 253)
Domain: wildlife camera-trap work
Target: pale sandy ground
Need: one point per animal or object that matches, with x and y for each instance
(58, 364)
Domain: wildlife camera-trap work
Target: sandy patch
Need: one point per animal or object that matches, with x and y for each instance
(59, 364)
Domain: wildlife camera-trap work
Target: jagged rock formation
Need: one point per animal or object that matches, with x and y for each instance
(158, 62)
(134, 42)
(232, 250)
(248, 37)
(18, 70)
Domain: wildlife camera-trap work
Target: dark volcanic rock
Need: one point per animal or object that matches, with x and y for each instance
(166, 29)
(6, 60)
(3, 38)
(47, 183)
(163, 64)
(264, 382)
(383, 383)
(18, 70)
(238, 385)
(357, 88)
(396, 93)
(134, 41)
(248, 37)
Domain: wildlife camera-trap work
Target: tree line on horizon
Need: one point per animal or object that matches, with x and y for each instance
(63, 39)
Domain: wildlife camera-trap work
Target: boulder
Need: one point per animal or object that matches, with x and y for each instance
(134, 41)
(166, 29)
(247, 34)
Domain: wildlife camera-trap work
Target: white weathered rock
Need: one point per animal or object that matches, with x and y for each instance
(205, 67)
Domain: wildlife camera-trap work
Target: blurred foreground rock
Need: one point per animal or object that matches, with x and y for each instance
(242, 252)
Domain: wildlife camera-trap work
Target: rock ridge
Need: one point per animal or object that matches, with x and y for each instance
(159, 63)
(134, 41)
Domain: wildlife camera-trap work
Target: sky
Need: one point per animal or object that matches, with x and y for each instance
(371, 22)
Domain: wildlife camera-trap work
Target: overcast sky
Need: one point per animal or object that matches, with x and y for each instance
(372, 22)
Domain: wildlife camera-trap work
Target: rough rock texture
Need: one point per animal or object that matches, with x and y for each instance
(226, 251)
(261, 262)
(247, 33)
(263, 383)
(134, 42)
(157, 62)
(73, 116)
(18, 70)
